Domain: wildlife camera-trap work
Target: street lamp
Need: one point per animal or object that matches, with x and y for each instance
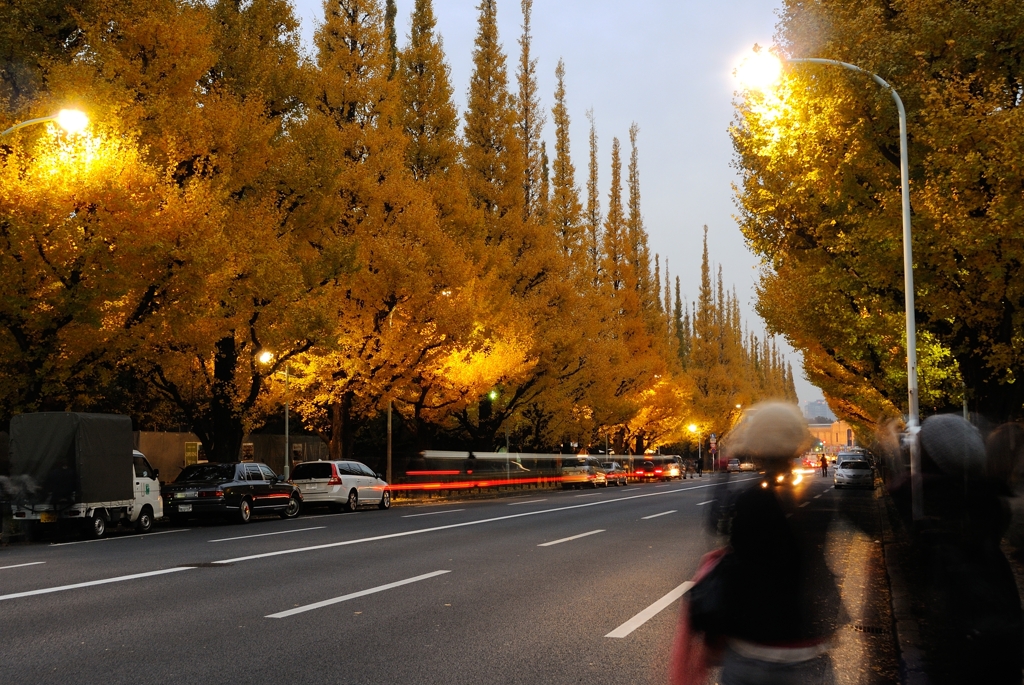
(693, 429)
(762, 71)
(266, 357)
(71, 120)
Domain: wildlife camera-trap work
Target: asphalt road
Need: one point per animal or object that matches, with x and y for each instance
(509, 590)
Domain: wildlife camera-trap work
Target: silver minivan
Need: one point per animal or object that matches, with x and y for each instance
(340, 484)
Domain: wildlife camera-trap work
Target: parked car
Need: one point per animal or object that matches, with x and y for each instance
(747, 466)
(582, 470)
(239, 490)
(614, 473)
(338, 484)
(733, 466)
(853, 473)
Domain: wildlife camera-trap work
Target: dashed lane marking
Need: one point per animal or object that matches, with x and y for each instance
(650, 612)
(104, 581)
(529, 501)
(654, 516)
(804, 505)
(31, 563)
(432, 513)
(701, 504)
(574, 537)
(122, 537)
(263, 535)
(589, 494)
(355, 595)
(343, 543)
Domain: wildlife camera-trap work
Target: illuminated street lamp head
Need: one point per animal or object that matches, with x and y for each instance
(493, 394)
(692, 428)
(266, 357)
(760, 70)
(72, 120)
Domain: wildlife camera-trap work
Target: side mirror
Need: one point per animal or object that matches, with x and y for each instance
(379, 476)
(156, 474)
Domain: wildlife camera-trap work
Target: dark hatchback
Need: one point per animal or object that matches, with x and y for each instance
(236, 490)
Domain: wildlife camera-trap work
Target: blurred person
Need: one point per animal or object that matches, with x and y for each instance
(823, 463)
(972, 605)
(762, 603)
(1004, 452)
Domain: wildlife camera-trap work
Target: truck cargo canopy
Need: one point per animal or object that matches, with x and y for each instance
(90, 454)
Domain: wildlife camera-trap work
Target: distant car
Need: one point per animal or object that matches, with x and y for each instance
(733, 466)
(582, 470)
(671, 467)
(853, 473)
(341, 484)
(240, 490)
(614, 473)
(747, 466)
(646, 471)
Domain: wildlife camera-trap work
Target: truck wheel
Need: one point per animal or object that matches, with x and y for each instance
(244, 511)
(96, 526)
(144, 523)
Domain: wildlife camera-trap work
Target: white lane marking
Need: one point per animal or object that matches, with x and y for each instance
(118, 579)
(817, 496)
(654, 516)
(589, 494)
(628, 489)
(263, 535)
(432, 513)
(434, 529)
(354, 595)
(701, 504)
(665, 485)
(31, 563)
(122, 537)
(529, 501)
(323, 516)
(804, 505)
(650, 612)
(574, 537)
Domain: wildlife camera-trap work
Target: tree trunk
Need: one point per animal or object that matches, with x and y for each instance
(223, 430)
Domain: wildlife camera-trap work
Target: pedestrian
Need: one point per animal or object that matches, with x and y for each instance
(968, 592)
(761, 605)
(700, 467)
(824, 466)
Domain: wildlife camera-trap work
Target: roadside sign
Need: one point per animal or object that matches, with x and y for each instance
(714, 440)
(191, 453)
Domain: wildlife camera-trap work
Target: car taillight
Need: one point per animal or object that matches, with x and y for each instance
(657, 470)
(211, 493)
(335, 480)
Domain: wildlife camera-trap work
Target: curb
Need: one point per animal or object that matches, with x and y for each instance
(906, 627)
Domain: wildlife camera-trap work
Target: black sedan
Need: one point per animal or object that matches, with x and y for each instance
(237, 490)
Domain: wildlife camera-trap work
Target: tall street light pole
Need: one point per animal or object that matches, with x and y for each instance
(913, 405)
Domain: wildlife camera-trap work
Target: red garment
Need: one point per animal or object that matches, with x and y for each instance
(691, 655)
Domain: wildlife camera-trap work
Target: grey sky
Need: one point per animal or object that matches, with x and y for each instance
(665, 64)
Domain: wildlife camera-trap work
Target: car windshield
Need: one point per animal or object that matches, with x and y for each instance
(610, 465)
(734, 462)
(313, 470)
(855, 465)
(206, 473)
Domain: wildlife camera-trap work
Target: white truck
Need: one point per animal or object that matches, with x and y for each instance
(82, 467)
